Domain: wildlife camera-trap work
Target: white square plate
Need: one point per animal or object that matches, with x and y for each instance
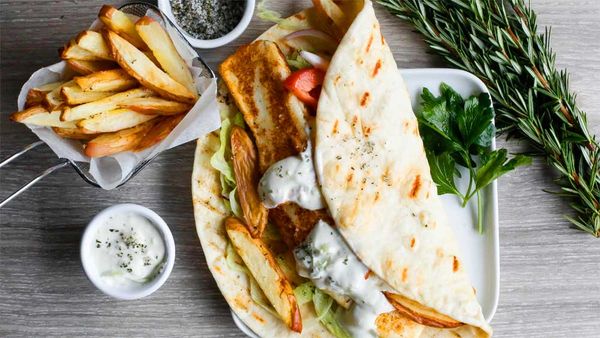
(480, 253)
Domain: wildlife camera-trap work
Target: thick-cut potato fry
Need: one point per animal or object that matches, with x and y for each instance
(266, 271)
(73, 133)
(53, 100)
(113, 120)
(39, 116)
(73, 51)
(165, 52)
(73, 95)
(94, 43)
(108, 103)
(88, 67)
(156, 105)
(245, 166)
(147, 73)
(420, 313)
(159, 132)
(121, 24)
(35, 96)
(122, 140)
(107, 80)
(331, 10)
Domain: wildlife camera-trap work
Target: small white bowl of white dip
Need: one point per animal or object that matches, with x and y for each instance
(127, 251)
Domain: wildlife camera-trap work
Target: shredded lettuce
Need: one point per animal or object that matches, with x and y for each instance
(258, 296)
(234, 261)
(236, 209)
(296, 61)
(304, 293)
(272, 16)
(221, 159)
(267, 14)
(325, 309)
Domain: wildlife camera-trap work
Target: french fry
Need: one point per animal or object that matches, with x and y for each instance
(88, 67)
(155, 106)
(113, 120)
(121, 24)
(161, 45)
(159, 132)
(420, 313)
(122, 140)
(73, 95)
(245, 166)
(73, 133)
(53, 100)
(331, 10)
(136, 64)
(107, 80)
(39, 116)
(35, 96)
(73, 51)
(94, 43)
(267, 273)
(108, 103)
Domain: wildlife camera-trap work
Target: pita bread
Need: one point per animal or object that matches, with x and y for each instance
(375, 178)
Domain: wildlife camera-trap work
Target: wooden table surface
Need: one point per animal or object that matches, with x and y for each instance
(550, 273)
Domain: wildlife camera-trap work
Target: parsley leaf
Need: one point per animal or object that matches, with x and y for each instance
(453, 130)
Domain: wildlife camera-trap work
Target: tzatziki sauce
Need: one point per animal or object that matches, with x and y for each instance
(330, 264)
(127, 250)
(292, 179)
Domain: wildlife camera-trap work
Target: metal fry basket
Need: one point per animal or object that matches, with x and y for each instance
(134, 8)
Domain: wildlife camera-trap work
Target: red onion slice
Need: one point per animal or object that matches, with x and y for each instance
(316, 60)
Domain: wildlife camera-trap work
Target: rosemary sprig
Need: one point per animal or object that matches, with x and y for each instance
(497, 40)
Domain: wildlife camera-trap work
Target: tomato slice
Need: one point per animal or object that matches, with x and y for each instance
(305, 84)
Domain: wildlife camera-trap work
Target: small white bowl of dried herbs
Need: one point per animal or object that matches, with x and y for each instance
(209, 23)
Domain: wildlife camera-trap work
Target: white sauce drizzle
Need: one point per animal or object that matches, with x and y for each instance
(128, 250)
(327, 260)
(292, 179)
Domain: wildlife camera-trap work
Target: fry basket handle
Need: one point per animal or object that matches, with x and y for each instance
(61, 164)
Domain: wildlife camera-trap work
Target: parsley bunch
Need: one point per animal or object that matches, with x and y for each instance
(454, 132)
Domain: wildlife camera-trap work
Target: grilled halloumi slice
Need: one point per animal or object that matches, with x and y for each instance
(254, 76)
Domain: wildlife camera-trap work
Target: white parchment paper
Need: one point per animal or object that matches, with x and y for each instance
(111, 171)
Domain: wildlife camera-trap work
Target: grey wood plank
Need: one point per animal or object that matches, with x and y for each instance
(550, 274)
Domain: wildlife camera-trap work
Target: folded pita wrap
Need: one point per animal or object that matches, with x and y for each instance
(375, 179)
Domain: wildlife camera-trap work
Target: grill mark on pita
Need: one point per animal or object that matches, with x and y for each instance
(335, 127)
(404, 275)
(412, 242)
(414, 191)
(209, 206)
(382, 40)
(218, 269)
(455, 264)
(364, 99)
(349, 177)
(376, 69)
(240, 303)
(370, 42)
(368, 274)
(366, 130)
(337, 79)
(258, 318)
(377, 195)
